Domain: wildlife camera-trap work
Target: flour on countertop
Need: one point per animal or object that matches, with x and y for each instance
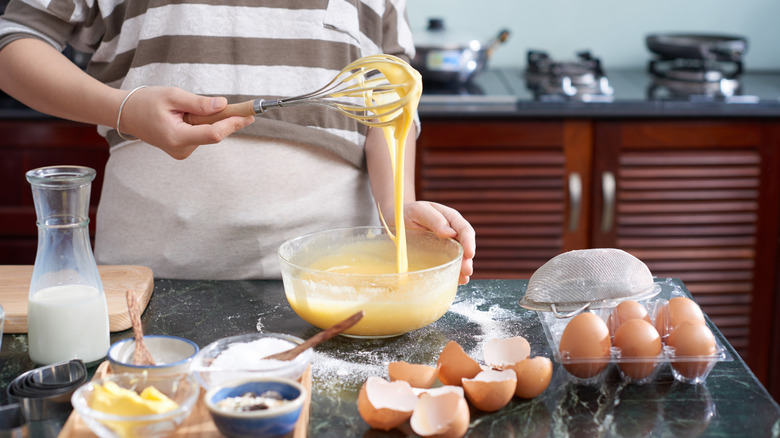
(348, 363)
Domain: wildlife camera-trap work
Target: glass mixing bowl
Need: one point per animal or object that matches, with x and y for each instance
(321, 293)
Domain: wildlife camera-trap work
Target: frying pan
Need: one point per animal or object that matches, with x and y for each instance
(697, 46)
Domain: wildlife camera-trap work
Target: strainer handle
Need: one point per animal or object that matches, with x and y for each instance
(564, 315)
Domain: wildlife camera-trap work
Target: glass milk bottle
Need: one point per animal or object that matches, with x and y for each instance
(67, 316)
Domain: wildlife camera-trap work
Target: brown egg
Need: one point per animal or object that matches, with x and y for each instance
(585, 345)
(385, 405)
(444, 415)
(693, 340)
(500, 353)
(640, 345)
(625, 311)
(533, 376)
(454, 364)
(418, 375)
(490, 390)
(677, 310)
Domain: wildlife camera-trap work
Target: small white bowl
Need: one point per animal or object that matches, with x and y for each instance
(172, 355)
(209, 374)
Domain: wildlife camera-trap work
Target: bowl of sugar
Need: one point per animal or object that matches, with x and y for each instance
(244, 357)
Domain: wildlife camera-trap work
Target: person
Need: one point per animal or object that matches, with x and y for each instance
(215, 201)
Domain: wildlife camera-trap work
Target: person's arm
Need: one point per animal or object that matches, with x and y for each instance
(437, 218)
(36, 74)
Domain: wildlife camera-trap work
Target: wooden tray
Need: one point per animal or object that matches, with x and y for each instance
(198, 424)
(117, 279)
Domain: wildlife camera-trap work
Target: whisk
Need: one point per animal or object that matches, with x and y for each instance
(365, 80)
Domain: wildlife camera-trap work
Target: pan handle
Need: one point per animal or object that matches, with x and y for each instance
(501, 38)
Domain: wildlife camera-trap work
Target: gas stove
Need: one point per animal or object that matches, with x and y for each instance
(580, 80)
(697, 80)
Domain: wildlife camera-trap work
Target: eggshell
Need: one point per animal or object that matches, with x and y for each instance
(386, 405)
(418, 375)
(640, 345)
(624, 311)
(533, 376)
(445, 415)
(490, 390)
(499, 353)
(675, 311)
(454, 364)
(440, 390)
(695, 340)
(585, 345)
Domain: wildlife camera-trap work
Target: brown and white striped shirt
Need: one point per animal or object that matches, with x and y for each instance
(223, 212)
(240, 49)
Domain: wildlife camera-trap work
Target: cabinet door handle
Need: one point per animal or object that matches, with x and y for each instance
(575, 200)
(608, 197)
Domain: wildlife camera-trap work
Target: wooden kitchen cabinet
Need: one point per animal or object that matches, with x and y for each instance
(28, 144)
(696, 200)
(516, 182)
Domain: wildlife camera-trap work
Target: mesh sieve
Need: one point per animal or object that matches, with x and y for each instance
(589, 278)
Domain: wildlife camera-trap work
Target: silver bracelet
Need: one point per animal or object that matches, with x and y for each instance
(119, 116)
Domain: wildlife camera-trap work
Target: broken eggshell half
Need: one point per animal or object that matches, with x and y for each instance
(491, 390)
(386, 405)
(417, 375)
(500, 353)
(533, 376)
(454, 365)
(442, 415)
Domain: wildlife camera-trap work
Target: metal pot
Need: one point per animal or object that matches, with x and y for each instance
(447, 57)
(697, 46)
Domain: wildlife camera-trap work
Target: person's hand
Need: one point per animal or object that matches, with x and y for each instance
(156, 116)
(444, 222)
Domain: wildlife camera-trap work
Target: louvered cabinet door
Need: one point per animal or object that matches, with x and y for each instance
(516, 184)
(697, 200)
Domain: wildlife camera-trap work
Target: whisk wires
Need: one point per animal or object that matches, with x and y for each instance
(360, 91)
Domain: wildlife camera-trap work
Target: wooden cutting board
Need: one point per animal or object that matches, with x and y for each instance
(117, 279)
(198, 424)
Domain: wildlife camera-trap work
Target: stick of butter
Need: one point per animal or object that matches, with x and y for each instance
(110, 398)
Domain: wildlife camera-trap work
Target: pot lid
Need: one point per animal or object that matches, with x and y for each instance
(439, 36)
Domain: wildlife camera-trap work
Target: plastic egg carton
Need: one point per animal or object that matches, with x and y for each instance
(687, 369)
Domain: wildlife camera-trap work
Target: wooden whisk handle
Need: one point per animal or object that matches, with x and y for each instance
(243, 109)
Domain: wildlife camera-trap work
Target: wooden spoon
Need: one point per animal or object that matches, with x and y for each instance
(318, 338)
(141, 355)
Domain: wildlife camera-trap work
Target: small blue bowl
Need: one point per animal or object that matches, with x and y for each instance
(272, 422)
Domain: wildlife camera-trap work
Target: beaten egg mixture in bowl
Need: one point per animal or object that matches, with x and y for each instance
(329, 275)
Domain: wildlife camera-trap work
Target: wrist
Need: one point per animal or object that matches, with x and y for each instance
(127, 137)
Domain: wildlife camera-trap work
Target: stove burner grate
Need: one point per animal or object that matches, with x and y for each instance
(583, 79)
(695, 78)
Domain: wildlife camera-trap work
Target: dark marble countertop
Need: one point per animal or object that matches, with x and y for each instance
(731, 402)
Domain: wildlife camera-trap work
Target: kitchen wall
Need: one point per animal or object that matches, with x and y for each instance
(611, 29)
